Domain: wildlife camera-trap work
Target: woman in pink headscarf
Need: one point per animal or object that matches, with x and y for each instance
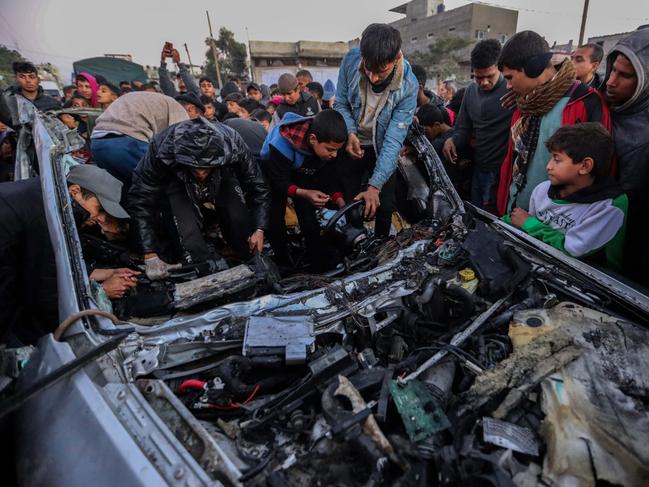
(87, 87)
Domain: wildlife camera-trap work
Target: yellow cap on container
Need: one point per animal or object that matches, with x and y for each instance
(467, 274)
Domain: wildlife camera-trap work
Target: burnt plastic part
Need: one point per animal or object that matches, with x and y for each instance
(149, 299)
(323, 369)
(350, 236)
(499, 268)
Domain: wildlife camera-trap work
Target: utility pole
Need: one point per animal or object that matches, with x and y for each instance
(212, 43)
(584, 15)
(191, 66)
(251, 72)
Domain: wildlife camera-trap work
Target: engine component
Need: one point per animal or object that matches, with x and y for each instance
(511, 436)
(289, 336)
(421, 416)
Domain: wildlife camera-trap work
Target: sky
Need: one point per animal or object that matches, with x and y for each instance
(62, 31)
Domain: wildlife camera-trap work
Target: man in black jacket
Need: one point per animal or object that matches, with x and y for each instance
(197, 171)
(28, 86)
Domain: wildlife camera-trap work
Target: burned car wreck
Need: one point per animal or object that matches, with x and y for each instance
(458, 351)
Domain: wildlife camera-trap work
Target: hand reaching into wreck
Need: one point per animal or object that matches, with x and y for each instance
(353, 147)
(256, 241)
(156, 268)
(118, 285)
(313, 196)
(372, 202)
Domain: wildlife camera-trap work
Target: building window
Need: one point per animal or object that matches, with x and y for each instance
(451, 29)
(413, 39)
(480, 34)
(430, 35)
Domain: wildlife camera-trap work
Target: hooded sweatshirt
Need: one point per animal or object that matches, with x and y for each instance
(94, 86)
(289, 164)
(631, 119)
(631, 137)
(589, 223)
(140, 115)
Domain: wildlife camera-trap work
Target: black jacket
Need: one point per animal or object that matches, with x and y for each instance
(253, 133)
(192, 144)
(483, 118)
(7, 114)
(306, 106)
(27, 266)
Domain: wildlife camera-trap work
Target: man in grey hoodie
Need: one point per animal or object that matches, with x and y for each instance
(627, 91)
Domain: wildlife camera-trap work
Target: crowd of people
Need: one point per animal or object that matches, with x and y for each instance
(551, 148)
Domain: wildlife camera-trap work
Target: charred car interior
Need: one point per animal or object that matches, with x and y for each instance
(459, 351)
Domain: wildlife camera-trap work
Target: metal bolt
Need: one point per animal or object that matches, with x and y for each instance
(121, 395)
(179, 473)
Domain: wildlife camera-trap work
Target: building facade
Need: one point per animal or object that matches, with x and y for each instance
(270, 59)
(426, 21)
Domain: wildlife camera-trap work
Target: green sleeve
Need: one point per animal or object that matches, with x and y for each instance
(615, 247)
(507, 219)
(536, 228)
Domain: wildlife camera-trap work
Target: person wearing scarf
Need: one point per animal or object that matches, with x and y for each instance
(547, 98)
(88, 87)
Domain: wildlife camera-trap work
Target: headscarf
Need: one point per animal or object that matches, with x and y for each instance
(94, 86)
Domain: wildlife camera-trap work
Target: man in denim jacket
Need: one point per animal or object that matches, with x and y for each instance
(377, 96)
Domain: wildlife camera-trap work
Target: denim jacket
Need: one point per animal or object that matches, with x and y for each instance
(394, 114)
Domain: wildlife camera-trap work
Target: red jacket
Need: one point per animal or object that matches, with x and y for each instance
(585, 105)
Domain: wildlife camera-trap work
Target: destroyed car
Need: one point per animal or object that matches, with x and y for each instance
(461, 351)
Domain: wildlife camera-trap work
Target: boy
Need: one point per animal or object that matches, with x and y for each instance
(434, 121)
(298, 161)
(294, 100)
(210, 108)
(578, 210)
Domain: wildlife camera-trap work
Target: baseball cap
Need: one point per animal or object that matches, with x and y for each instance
(192, 99)
(253, 86)
(107, 188)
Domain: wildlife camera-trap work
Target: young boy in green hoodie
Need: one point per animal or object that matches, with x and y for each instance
(578, 210)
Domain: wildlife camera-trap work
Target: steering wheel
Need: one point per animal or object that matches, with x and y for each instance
(331, 224)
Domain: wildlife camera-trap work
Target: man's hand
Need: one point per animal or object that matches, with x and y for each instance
(156, 268)
(353, 147)
(450, 151)
(371, 198)
(175, 56)
(508, 100)
(407, 150)
(117, 286)
(256, 241)
(3, 127)
(518, 217)
(313, 196)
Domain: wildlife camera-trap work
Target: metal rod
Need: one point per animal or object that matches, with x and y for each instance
(584, 15)
(212, 43)
(191, 65)
(457, 340)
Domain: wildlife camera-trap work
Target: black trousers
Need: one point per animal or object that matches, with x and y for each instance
(355, 174)
(230, 212)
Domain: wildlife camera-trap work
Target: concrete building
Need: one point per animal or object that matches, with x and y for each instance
(608, 41)
(270, 59)
(426, 21)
